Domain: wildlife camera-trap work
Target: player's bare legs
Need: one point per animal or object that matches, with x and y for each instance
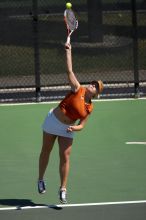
(65, 145)
(48, 142)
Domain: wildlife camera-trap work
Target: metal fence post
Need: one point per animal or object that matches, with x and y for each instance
(36, 49)
(135, 48)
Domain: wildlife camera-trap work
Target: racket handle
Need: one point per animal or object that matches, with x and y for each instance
(68, 40)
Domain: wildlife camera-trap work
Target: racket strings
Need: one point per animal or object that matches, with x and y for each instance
(71, 21)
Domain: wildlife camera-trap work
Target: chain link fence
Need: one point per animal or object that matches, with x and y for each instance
(110, 44)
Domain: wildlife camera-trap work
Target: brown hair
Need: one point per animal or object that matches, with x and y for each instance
(99, 85)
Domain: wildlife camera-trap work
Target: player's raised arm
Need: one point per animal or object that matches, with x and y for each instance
(74, 83)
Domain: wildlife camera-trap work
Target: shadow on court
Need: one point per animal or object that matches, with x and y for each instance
(18, 202)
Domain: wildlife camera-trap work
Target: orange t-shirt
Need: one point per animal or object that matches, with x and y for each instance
(74, 106)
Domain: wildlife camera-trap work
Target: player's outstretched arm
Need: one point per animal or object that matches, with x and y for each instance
(74, 83)
(78, 127)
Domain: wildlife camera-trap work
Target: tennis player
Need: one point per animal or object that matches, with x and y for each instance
(61, 123)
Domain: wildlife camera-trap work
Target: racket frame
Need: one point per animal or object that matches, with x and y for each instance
(69, 31)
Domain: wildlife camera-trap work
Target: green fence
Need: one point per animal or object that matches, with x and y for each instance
(110, 44)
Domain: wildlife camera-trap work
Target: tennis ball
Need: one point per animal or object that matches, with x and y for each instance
(68, 5)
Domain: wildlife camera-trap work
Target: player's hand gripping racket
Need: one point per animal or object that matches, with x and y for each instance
(71, 23)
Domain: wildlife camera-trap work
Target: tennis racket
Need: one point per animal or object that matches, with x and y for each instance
(71, 23)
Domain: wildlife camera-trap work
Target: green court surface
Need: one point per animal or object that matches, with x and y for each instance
(103, 167)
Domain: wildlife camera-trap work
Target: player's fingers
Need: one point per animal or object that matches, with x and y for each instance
(67, 46)
(69, 129)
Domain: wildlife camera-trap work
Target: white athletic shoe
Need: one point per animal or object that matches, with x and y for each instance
(63, 195)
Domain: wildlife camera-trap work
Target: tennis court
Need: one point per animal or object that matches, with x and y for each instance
(108, 162)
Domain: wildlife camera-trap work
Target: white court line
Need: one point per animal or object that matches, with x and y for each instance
(73, 205)
(55, 102)
(136, 142)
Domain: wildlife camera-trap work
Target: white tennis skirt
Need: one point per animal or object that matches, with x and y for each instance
(52, 125)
